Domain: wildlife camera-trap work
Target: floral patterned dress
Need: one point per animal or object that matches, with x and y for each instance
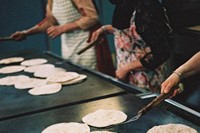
(129, 47)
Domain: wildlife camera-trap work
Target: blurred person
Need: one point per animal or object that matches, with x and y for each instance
(141, 33)
(74, 20)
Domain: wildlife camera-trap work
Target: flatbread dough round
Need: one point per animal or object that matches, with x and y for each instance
(43, 67)
(62, 77)
(103, 118)
(46, 89)
(48, 72)
(11, 60)
(30, 83)
(79, 79)
(172, 128)
(11, 80)
(33, 62)
(71, 127)
(11, 69)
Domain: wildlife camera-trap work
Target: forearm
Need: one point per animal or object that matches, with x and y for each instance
(70, 27)
(40, 27)
(191, 67)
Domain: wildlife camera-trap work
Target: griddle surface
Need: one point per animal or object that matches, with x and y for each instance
(16, 103)
(128, 103)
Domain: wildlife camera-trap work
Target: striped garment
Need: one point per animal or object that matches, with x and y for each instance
(65, 12)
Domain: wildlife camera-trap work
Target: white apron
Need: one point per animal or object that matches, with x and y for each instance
(71, 42)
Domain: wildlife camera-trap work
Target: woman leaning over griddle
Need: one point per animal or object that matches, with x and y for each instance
(141, 33)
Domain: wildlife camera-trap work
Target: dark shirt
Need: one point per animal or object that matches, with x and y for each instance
(152, 24)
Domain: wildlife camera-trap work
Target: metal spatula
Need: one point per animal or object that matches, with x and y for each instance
(5, 39)
(145, 109)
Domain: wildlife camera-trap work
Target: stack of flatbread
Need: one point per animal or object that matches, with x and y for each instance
(52, 77)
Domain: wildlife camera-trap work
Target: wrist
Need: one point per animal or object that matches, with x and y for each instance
(104, 29)
(178, 74)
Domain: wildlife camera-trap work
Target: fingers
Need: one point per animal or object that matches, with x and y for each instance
(95, 36)
(166, 87)
(18, 36)
(53, 32)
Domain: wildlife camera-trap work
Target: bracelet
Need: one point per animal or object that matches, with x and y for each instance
(179, 74)
(104, 29)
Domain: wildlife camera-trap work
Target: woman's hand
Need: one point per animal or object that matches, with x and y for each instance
(96, 34)
(122, 72)
(55, 31)
(19, 35)
(172, 81)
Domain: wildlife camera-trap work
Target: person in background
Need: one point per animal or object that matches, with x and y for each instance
(189, 68)
(141, 33)
(73, 20)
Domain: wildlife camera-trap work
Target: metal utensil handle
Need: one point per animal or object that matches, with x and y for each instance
(156, 102)
(87, 47)
(98, 41)
(6, 38)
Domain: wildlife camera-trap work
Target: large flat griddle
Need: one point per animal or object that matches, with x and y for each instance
(129, 103)
(15, 103)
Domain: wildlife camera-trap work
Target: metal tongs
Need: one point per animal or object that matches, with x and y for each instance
(5, 39)
(146, 109)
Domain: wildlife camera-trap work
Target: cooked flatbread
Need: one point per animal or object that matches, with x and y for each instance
(103, 118)
(33, 62)
(11, 60)
(70, 127)
(48, 72)
(11, 69)
(43, 67)
(102, 132)
(30, 83)
(62, 77)
(79, 79)
(172, 128)
(46, 89)
(11, 80)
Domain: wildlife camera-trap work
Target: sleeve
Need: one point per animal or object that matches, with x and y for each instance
(157, 35)
(89, 14)
(49, 16)
(160, 53)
